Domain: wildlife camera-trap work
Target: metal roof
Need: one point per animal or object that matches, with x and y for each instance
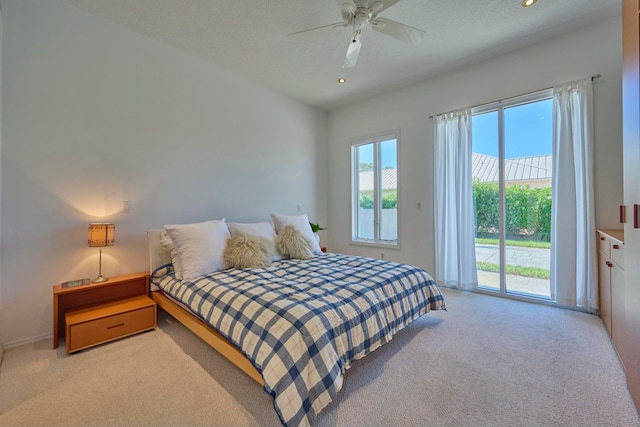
(389, 180)
(485, 169)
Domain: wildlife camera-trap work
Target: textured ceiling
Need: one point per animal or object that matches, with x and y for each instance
(249, 38)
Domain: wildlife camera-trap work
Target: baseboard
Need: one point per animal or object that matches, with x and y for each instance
(24, 341)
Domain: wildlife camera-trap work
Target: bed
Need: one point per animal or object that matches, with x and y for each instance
(296, 326)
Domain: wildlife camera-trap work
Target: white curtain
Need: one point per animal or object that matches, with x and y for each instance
(574, 277)
(454, 213)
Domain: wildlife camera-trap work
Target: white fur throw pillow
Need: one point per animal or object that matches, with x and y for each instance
(292, 244)
(248, 251)
(301, 222)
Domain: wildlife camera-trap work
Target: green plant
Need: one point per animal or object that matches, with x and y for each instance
(389, 201)
(527, 211)
(316, 227)
(366, 201)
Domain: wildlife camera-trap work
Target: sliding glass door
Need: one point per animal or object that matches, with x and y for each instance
(512, 194)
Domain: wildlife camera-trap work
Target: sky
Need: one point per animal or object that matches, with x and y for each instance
(527, 130)
(388, 154)
(527, 127)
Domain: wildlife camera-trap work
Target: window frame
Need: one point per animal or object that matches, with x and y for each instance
(499, 107)
(377, 192)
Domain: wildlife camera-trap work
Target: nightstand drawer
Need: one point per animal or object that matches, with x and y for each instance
(106, 322)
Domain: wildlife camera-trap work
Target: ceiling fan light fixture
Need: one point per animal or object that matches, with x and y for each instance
(361, 14)
(527, 3)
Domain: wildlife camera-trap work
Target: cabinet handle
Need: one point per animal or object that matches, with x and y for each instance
(601, 238)
(616, 246)
(623, 214)
(115, 326)
(609, 264)
(636, 220)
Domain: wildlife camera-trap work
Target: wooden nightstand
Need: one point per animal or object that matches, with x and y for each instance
(95, 313)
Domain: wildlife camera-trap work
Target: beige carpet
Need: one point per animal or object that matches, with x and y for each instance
(485, 362)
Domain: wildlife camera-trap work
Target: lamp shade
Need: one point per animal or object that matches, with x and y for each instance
(101, 234)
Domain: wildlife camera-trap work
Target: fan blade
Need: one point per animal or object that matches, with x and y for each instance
(303, 35)
(399, 31)
(355, 43)
(348, 11)
(384, 4)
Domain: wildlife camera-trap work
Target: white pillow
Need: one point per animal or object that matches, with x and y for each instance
(199, 246)
(167, 245)
(262, 229)
(301, 222)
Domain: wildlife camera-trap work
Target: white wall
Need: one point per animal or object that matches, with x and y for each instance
(94, 115)
(583, 53)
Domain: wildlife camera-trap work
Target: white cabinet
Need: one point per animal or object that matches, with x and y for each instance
(612, 286)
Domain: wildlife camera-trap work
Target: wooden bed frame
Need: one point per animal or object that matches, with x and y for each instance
(208, 335)
(159, 256)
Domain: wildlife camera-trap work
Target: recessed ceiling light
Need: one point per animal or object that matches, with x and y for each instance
(527, 3)
(342, 80)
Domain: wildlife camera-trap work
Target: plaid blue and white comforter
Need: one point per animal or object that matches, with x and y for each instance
(302, 323)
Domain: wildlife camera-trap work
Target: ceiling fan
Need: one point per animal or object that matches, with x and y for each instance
(360, 15)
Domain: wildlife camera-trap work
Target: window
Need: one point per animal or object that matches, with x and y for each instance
(375, 191)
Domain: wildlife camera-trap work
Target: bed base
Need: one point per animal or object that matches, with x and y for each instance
(208, 335)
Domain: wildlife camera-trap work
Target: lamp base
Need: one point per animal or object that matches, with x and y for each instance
(99, 279)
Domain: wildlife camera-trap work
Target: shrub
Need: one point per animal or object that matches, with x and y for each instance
(366, 201)
(389, 201)
(527, 210)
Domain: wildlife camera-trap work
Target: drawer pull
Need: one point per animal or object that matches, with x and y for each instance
(115, 326)
(601, 238)
(616, 246)
(609, 264)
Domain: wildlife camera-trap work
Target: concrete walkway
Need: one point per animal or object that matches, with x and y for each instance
(515, 255)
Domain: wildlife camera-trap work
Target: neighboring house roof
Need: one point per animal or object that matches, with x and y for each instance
(485, 168)
(389, 180)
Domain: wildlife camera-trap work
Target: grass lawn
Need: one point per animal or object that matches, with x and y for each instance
(521, 243)
(516, 270)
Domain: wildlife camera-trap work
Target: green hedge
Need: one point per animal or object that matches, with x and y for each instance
(389, 201)
(528, 211)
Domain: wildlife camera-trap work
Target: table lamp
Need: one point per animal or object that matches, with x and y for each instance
(101, 234)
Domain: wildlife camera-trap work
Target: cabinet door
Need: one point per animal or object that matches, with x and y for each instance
(631, 170)
(605, 290)
(618, 328)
